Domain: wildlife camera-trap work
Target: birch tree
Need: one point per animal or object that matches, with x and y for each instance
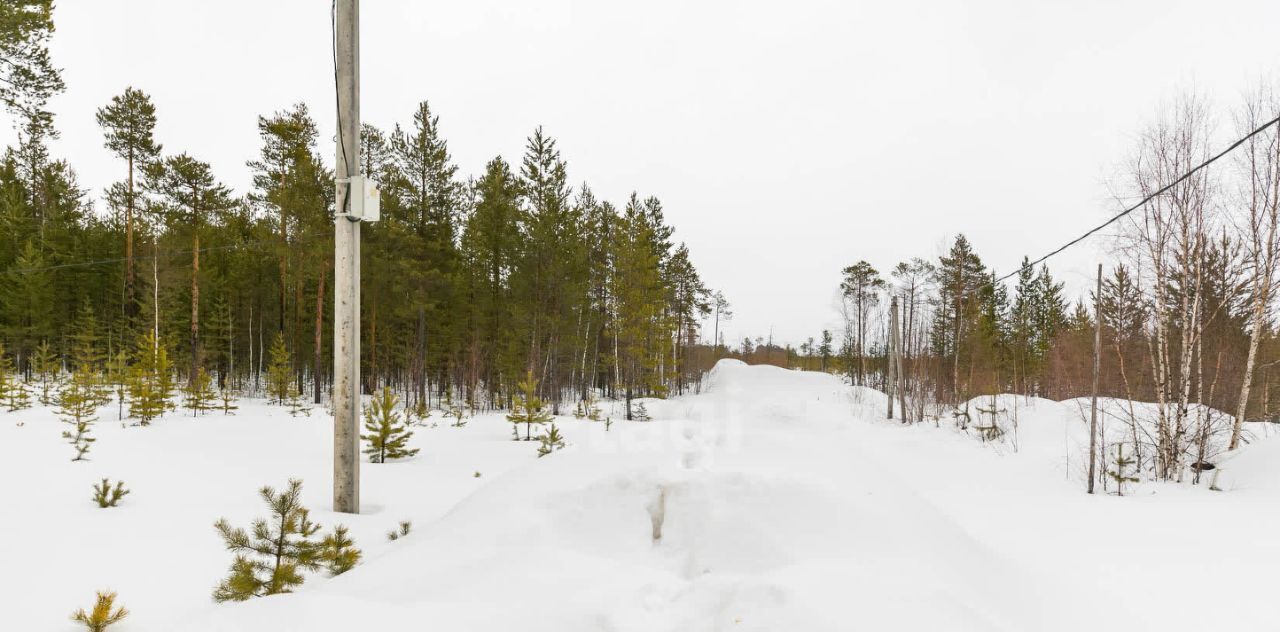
(1258, 209)
(1168, 237)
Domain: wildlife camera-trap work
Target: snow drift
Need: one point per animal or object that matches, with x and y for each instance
(774, 500)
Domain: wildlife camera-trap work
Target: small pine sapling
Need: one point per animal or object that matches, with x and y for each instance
(103, 614)
(419, 414)
(106, 495)
(99, 387)
(579, 411)
(1120, 473)
(456, 411)
(281, 388)
(528, 408)
(13, 391)
(459, 414)
(396, 534)
(640, 413)
(76, 407)
(118, 377)
(551, 441)
(7, 377)
(270, 559)
(150, 380)
(86, 341)
(227, 399)
(45, 364)
(165, 387)
(338, 552)
(988, 426)
(593, 407)
(388, 435)
(198, 396)
(19, 396)
(296, 406)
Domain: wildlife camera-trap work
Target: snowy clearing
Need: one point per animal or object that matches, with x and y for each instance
(775, 500)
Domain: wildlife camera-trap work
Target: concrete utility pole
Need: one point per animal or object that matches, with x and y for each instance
(1097, 363)
(898, 374)
(892, 359)
(346, 270)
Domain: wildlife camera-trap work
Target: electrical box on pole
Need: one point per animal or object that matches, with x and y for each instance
(366, 196)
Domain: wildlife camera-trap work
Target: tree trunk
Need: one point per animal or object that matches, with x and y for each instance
(195, 309)
(130, 292)
(319, 335)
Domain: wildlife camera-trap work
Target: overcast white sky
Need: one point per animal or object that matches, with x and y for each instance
(786, 139)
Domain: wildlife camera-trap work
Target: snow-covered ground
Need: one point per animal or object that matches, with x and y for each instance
(775, 500)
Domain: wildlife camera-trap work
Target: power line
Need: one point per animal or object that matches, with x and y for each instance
(1135, 207)
(173, 253)
(337, 97)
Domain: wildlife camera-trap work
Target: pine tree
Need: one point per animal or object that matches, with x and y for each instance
(639, 327)
(1121, 473)
(128, 124)
(861, 286)
(988, 426)
(13, 390)
(549, 284)
(163, 376)
(593, 406)
(825, 349)
(191, 197)
(227, 401)
(990, 344)
(296, 405)
(86, 339)
(28, 300)
(270, 559)
(7, 377)
(282, 389)
(550, 441)
(640, 412)
(280, 383)
(150, 381)
(528, 408)
(103, 614)
(28, 78)
(491, 246)
(418, 414)
(77, 406)
(18, 397)
(118, 378)
(456, 410)
(338, 552)
(1022, 327)
(45, 365)
(198, 395)
(388, 435)
(107, 496)
(1049, 316)
(431, 196)
(960, 277)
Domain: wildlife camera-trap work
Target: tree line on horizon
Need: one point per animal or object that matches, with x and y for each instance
(469, 283)
(1186, 305)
